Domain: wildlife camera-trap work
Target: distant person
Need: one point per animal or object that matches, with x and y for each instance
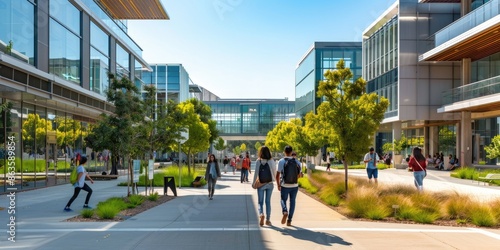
(233, 164)
(419, 165)
(265, 171)
(371, 159)
(225, 162)
(212, 172)
(289, 171)
(245, 168)
(80, 184)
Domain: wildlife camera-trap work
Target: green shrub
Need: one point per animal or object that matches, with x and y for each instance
(457, 207)
(466, 173)
(153, 196)
(360, 201)
(406, 212)
(425, 217)
(87, 213)
(329, 196)
(306, 184)
(115, 202)
(481, 215)
(107, 211)
(427, 203)
(495, 208)
(135, 200)
(377, 212)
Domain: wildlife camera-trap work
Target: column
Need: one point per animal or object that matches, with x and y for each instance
(465, 139)
(465, 74)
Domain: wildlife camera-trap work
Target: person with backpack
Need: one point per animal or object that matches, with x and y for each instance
(80, 184)
(287, 178)
(265, 171)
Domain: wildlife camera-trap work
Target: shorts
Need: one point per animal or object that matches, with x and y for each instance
(372, 172)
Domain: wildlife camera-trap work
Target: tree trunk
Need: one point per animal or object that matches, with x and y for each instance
(345, 168)
(114, 165)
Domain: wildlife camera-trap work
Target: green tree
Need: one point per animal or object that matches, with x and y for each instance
(237, 150)
(116, 131)
(257, 147)
(243, 147)
(493, 150)
(205, 114)
(68, 131)
(198, 132)
(353, 114)
(220, 146)
(281, 135)
(35, 128)
(314, 135)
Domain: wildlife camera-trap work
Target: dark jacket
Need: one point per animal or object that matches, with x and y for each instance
(207, 171)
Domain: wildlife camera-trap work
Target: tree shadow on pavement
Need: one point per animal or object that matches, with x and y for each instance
(321, 238)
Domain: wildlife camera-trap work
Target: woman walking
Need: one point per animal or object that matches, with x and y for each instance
(265, 171)
(419, 165)
(80, 184)
(211, 174)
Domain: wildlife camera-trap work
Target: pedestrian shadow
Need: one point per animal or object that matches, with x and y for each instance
(320, 238)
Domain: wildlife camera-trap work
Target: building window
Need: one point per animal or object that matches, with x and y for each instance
(17, 30)
(64, 52)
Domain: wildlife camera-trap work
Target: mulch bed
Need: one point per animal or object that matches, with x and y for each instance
(127, 213)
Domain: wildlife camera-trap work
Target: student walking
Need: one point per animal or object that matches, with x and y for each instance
(419, 165)
(265, 171)
(245, 168)
(80, 184)
(211, 174)
(289, 171)
(371, 159)
(225, 162)
(233, 164)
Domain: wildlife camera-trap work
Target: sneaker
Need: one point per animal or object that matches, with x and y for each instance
(67, 209)
(87, 207)
(211, 198)
(285, 216)
(289, 223)
(268, 223)
(261, 220)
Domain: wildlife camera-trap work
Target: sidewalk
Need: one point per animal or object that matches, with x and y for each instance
(230, 221)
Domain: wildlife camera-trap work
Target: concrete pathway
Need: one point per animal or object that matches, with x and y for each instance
(230, 221)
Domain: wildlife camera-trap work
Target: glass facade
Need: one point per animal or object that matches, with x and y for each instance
(380, 68)
(324, 56)
(483, 131)
(17, 29)
(250, 118)
(171, 80)
(99, 59)
(122, 61)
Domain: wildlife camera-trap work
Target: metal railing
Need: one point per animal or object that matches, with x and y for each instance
(474, 90)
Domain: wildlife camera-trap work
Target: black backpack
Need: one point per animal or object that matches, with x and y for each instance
(265, 173)
(290, 171)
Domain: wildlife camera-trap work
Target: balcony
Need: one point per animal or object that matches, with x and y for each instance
(482, 88)
(474, 36)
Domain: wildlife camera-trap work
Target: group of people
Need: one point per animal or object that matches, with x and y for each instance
(417, 162)
(285, 175)
(439, 163)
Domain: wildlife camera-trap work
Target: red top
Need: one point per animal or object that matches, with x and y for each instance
(414, 165)
(246, 163)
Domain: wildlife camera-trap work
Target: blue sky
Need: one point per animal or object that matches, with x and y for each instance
(249, 48)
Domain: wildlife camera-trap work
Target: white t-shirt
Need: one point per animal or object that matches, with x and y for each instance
(81, 181)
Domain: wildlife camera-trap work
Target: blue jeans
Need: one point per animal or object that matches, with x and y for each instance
(285, 192)
(266, 190)
(244, 175)
(419, 179)
(211, 185)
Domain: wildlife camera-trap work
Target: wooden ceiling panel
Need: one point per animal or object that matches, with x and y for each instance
(135, 9)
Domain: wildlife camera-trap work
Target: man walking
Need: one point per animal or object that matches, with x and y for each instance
(371, 159)
(289, 171)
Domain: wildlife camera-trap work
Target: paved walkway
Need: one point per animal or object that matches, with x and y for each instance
(191, 221)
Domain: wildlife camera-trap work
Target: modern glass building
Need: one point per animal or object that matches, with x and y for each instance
(171, 80)
(322, 56)
(437, 63)
(54, 59)
(249, 119)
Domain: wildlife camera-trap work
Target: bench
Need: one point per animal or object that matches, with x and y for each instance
(197, 181)
(96, 177)
(488, 178)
